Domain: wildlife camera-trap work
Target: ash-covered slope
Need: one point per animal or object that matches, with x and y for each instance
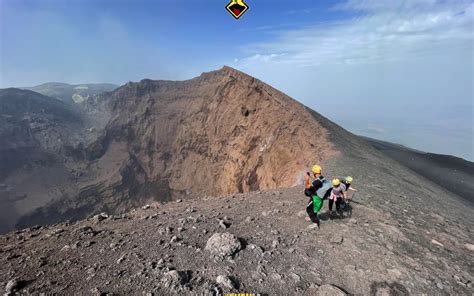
(453, 173)
(37, 135)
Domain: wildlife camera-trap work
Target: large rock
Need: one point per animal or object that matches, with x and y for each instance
(11, 287)
(223, 245)
(173, 279)
(330, 290)
(225, 282)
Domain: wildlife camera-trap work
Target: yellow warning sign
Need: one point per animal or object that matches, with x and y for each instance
(237, 8)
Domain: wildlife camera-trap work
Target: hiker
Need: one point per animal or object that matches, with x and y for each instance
(338, 195)
(313, 186)
(347, 181)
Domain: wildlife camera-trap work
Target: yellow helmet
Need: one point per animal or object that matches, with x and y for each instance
(336, 182)
(316, 169)
(349, 179)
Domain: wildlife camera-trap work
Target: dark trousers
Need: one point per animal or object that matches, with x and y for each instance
(312, 215)
(338, 204)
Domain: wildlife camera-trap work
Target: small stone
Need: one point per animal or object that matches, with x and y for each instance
(173, 279)
(180, 229)
(146, 207)
(336, 239)
(225, 282)
(65, 248)
(56, 231)
(275, 243)
(248, 219)
(352, 221)
(296, 278)
(265, 213)
(470, 247)
(120, 260)
(397, 273)
(100, 217)
(179, 200)
(174, 239)
(329, 290)
(11, 287)
(439, 286)
(256, 249)
(301, 214)
(435, 242)
(276, 276)
(312, 226)
(223, 224)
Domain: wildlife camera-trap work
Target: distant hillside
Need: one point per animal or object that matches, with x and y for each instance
(453, 173)
(76, 93)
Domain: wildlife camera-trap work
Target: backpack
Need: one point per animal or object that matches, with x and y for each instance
(324, 191)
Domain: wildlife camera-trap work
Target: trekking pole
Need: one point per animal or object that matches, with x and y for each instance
(353, 194)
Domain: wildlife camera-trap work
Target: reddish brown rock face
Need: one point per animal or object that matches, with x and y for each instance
(220, 133)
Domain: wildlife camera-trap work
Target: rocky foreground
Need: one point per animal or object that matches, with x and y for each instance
(256, 243)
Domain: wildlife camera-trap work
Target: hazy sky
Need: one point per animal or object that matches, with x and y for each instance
(397, 70)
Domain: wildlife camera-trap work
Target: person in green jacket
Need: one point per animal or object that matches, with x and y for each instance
(312, 185)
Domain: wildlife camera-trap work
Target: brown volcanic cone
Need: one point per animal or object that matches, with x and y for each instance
(220, 133)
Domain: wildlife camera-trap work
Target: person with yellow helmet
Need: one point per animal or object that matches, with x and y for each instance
(338, 194)
(347, 181)
(312, 184)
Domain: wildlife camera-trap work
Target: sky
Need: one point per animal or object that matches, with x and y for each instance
(401, 71)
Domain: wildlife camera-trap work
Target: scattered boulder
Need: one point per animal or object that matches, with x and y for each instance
(256, 249)
(275, 243)
(86, 231)
(11, 287)
(223, 245)
(330, 290)
(121, 259)
(56, 231)
(276, 276)
(173, 279)
(397, 273)
(470, 247)
(100, 217)
(352, 221)
(65, 248)
(336, 239)
(223, 224)
(296, 278)
(225, 282)
(435, 242)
